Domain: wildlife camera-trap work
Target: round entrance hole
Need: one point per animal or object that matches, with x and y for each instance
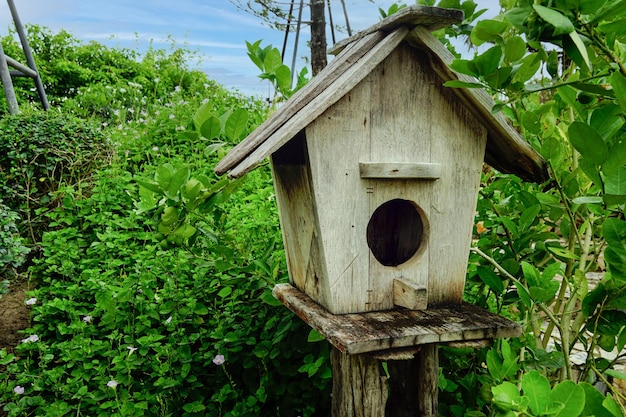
(395, 232)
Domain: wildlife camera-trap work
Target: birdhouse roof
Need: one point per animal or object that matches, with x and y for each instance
(357, 57)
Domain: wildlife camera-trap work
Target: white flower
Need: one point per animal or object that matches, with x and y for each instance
(112, 384)
(155, 149)
(19, 390)
(31, 339)
(169, 320)
(31, 301)
(131, 349)
(87, 319)
(172, 116)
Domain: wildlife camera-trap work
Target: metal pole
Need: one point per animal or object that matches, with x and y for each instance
(345, 13)
(330, 21)
(28, 54)
(9, 92)
(295, 47)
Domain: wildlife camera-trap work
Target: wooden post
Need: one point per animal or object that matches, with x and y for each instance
(361, 388)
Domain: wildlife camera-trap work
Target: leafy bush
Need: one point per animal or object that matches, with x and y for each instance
(12, 249)
(40, 153)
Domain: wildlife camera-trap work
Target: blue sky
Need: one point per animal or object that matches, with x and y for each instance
(216, 29)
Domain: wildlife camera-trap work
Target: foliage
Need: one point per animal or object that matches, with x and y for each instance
(269, 61)
(40, 153)
(12, 249)
(125, 324)
(556, 69)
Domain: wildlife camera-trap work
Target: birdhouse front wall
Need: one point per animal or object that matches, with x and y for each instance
(349, 230)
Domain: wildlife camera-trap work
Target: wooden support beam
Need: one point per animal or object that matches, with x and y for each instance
(362, 389)
(408, 295)
(427, 171)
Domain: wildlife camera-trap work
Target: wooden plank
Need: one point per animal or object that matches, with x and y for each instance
(408, 295)
(431, 18)
(300, 99)
(339, 87)
(393, 329)
(405, 170)
(506, 149)
(360, 387)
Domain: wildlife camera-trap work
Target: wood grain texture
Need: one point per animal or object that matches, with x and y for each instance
(299, 100)
(359, 386)
(339, 87)
(408, 295)
(506, 149)
(396, 329)
(416, 170)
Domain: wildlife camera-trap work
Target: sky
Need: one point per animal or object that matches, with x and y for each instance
(215, 29)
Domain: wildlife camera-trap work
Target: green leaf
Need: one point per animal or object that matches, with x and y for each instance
(488, 61)
(506, 396)
(617, 157)
(562, 253)
(593, 401)
(528, 216)
(571, 396)
(461, 84)
(582, 49)
(562, 25)
(618, 82)
(489, 277)
(615, 184)
(531, 122)
(163, 175)
(614, 232)
(531, 274)
(528, 68)
(514, 49)
(537, 388)
(283, 78)
(194, 407)
(177, 180)
(272, 61)
(607, 120)
(315, 336)
(236, 125)
(464, 66)
(211, 128)
(225, 292)
(487, 31)
(202, 114)
(545, 292)
(588, 142)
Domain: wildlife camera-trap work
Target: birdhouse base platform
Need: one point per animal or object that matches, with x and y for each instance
(398, 329)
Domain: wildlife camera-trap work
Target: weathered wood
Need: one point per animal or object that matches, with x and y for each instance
(506, 149)
(335, 91)
(432, 18)
(408, 295)
(359, 386)
(413, 385)
(299, 100)
(393, 329)
(427, 381)
(405, 170)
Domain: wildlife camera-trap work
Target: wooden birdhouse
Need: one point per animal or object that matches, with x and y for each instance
(377, 167)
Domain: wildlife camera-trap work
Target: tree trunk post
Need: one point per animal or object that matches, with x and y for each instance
(318, 36)
(361, 388)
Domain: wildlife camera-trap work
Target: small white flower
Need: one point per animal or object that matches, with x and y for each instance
(31, 339)
(112, 384)
(19, 390)
(31, 301)
(155, 149)
(172, 116)
(131, 349)
(169, 320)
(87, 319)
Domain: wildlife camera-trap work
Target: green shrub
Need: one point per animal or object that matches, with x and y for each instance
(41, 152)
(12, 249)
